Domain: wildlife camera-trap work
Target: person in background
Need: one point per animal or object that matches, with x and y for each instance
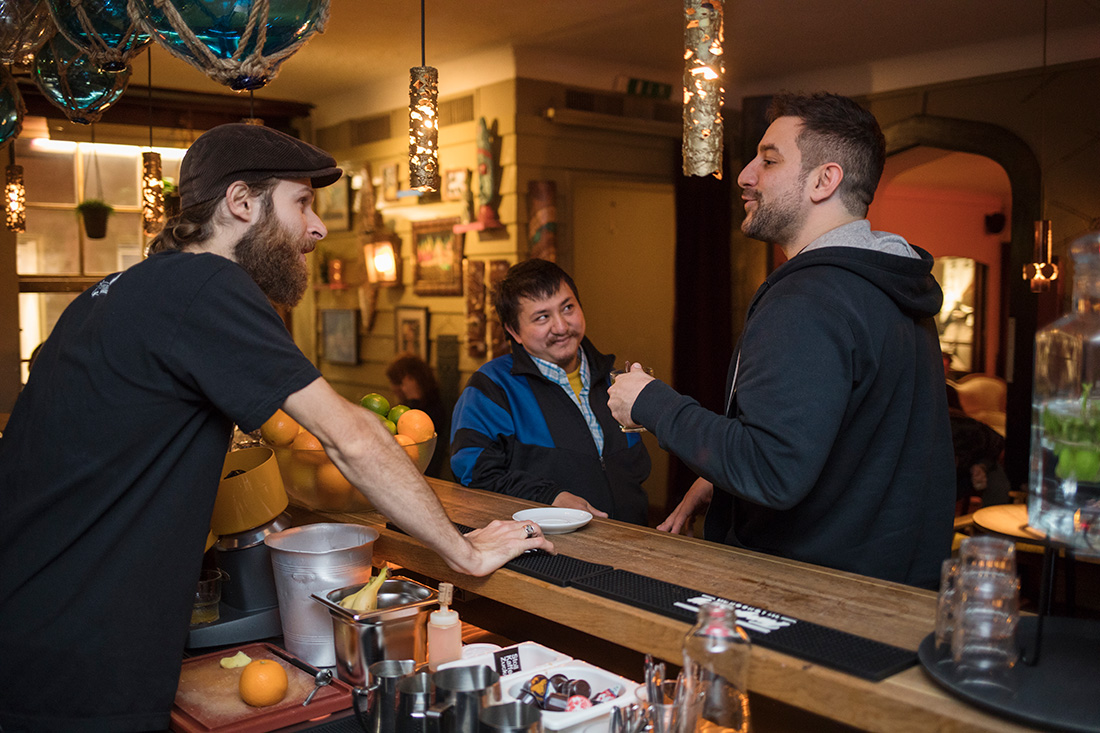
(535, 423)
(413, 383)
(111, 461)
(835, 445)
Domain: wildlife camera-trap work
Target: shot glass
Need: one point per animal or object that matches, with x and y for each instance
(988, 554)
(616, 373)
(983, 641)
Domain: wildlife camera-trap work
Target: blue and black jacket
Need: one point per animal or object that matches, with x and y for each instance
(517, 433)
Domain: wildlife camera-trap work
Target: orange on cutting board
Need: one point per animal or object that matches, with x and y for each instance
(417, 425)
(263, 682)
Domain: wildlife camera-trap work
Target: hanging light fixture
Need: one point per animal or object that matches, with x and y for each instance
(383, 262)
(1042, 271)
(15, 195)
(423, 122)
(73, 83)
(152, 183)
(704, 70)
(240, 44)
(101, 29)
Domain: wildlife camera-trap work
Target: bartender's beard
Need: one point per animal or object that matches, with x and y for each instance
(776, 221)
(271, 255)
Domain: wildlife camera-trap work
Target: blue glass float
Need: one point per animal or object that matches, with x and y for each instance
(113, 40)
(11, 107)
(24, 25)
(214, 35)
(75, 84)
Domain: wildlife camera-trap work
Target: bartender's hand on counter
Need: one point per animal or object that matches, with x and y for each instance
(572, 501)
(500, 541)
(624, 391)
(694, 504)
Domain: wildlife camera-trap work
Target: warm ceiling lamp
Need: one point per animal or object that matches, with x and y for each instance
(423, 122)
(152, 183)
(704, 69)
(383, 263)
(15, 195)
(1042, 271)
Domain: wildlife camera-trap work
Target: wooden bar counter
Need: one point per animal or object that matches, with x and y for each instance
(887, 612)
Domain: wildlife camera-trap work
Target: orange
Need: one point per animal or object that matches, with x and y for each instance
(310, 449)
(409, 445)
(280, 429)
(263, 682)
(334, 492)
(376, 403)
(417, 425)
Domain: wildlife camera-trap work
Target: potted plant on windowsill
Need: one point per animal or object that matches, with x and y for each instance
(94, 212)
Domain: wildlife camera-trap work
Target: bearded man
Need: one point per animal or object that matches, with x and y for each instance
(835, 445)
(111, 460)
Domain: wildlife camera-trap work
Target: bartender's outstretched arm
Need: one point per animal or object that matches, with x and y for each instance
(379, 468)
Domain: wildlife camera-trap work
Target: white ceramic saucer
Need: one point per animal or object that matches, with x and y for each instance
(554, 520)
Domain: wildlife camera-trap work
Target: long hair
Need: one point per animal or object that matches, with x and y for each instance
(197, 224)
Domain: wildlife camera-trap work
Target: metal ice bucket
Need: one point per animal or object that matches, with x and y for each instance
(397, 630)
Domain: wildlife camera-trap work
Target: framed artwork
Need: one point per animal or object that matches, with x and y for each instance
(333, 205)
(410, 329)
(340, 336)
(438, 251)
(390, 184)
(456, 181)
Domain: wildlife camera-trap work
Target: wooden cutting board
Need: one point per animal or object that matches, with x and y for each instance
(207, 699)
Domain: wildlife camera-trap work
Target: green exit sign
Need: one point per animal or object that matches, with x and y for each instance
(650, 89)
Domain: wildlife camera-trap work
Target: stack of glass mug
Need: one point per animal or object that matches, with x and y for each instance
(979, 608)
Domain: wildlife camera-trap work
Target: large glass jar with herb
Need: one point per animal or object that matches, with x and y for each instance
(1064, 496)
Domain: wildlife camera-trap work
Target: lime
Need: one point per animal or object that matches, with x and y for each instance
(1087, 465)
(376, 403)
(397, 411)
(390, 425)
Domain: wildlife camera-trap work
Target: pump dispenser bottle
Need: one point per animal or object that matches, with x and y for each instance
(444, 631)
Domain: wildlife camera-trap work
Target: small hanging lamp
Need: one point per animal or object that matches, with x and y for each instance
(152, 183)
(423, 122)
(239, 44)
(704, 70)
(101, 29)
(15, 195)
(1042, 271)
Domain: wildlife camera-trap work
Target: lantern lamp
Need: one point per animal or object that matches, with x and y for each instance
(1042, 271)
(15, 195)
(101, 29)
(239, 44)
(383, 262)
(24, 26)
(424, 129)
(152, 194)
(704, 69)
(73, 83)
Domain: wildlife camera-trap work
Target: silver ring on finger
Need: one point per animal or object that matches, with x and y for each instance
(530, 531)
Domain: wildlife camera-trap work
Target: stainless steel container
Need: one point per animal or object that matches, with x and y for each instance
(397, 630)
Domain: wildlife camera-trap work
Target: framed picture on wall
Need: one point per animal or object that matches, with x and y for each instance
(390, 183)
(333, 205)
(340, 336)
(438, 251)
(410, 328)
(455, 184)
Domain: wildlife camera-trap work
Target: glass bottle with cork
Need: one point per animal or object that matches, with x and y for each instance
(716, 671)
(444, 631)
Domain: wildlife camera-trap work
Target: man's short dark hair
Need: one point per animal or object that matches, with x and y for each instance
(532, 279)
(836, 129)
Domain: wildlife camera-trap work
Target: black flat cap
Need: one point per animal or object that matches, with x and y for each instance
(249, 153)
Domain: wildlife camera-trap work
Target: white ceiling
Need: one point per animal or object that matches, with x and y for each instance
(368, 43)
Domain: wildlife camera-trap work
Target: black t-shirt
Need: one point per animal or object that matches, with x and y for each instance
(108, 471)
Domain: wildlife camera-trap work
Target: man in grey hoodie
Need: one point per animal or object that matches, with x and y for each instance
(835, 445)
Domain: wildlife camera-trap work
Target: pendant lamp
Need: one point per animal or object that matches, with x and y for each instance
(101, 29)
(704, 70)
(423, 122)
(15, 195)
(24, 26)
(152, 184)
(1042, 271)
(239, 44)
(75, 84)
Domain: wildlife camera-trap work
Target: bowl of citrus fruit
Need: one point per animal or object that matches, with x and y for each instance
(311, 478)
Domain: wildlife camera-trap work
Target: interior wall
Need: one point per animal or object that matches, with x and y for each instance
(949, 223)
(623, 263)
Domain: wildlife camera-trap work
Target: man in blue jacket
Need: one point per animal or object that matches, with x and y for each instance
(835, 445)
(535, 423)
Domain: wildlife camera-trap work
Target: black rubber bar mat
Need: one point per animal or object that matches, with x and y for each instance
(855, 655)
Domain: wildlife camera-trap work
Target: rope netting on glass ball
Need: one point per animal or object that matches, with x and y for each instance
(239, 44)
(24, 26)
(12, 108)
(74, 83)
(101, 29)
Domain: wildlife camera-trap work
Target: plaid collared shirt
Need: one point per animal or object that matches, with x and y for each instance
(557, 375)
